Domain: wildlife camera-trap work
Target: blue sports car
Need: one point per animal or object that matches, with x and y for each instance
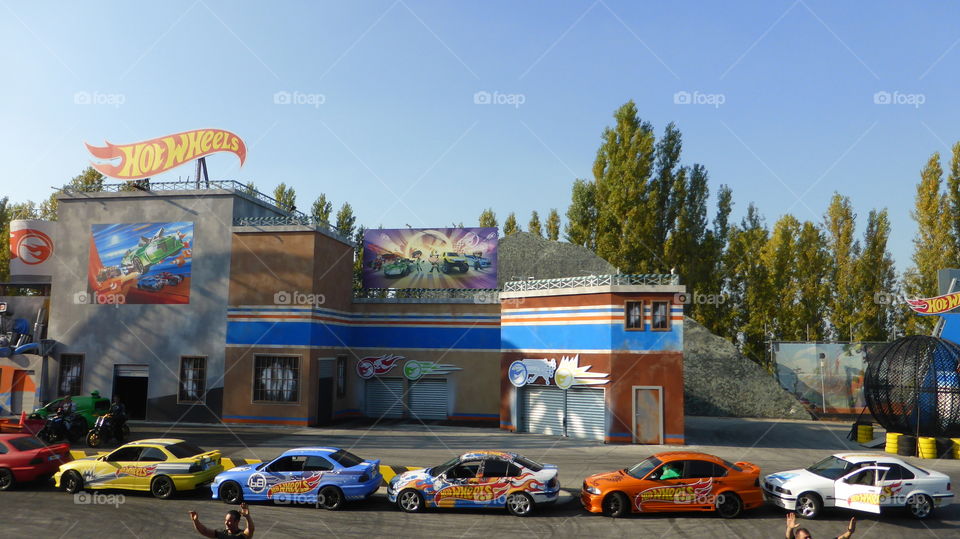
(326, 476)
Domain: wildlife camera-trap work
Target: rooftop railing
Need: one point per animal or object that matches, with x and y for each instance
(649, 279)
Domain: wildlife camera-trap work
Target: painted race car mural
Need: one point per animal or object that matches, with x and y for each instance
(140, 263)
(325, 476)
(430, 258)
(478, 479)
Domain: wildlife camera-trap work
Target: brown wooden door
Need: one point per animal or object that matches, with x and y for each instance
(647, 420)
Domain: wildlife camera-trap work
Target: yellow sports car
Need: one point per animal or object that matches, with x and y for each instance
(160, 466)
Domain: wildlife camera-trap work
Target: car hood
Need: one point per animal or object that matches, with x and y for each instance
(802, 477)
(606, 479)
(412, 475)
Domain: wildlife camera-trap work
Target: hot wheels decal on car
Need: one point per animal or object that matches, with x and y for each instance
(136, 471)
(698, 492)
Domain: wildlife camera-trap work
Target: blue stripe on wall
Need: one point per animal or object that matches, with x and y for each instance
(589, 337)
(334, 335)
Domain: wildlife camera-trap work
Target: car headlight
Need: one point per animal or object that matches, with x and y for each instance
(592, 489)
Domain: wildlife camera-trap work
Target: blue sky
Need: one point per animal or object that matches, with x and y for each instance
(398, 133)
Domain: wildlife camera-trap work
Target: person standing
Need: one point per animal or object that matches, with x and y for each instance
(230, 530)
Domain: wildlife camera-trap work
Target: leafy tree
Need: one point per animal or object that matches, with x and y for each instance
(357, 259)
(553, 225)
(488, 218)
(875, 281)
(715, 315)
(953, 198)
(346, 221)
(812, 293)
(250, 189)
(510, 226)
(534, 226)
(662, 200)
(845, 300)
(5, 234)
(321, 209)
(88, 181)
(581, 226)
(286, 197)
(750, 296)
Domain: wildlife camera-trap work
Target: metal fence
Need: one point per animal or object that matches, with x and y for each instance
(650, 279)
(473, 295)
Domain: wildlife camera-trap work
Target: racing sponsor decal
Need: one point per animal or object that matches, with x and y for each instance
(136, 471)
(484, 493)
(567, 374)
(295, 486)
(369, 367)
(869, 498)
(414, 370)
(698, 493)
(140, 160)
(935, 305)
(30, 246)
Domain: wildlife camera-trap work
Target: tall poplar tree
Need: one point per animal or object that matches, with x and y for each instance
(533, 226)
(510, 226)
(553, 225)
(875, 281)
(488, 218)
(321, 209)
(581, 226)
(845, 300)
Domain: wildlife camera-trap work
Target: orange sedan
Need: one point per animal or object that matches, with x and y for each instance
(675, 481)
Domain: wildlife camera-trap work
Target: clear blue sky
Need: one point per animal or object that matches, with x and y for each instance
(399, 136)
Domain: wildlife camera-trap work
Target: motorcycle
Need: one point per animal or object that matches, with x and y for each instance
(107, 428)
(59, 428)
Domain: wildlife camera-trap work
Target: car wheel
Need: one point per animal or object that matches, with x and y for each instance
(94, 439)
(330, 498)
(410, 501)
(6, 479)
(72, 482)
(616, 505)
(809, 505)
(162, 487)
(728, 505)
(231, 493)
(920, 506)
(519, 504)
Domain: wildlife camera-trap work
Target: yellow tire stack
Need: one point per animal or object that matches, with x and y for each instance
(956, 447)
(927, 447)
(892, 441)
(864, 433)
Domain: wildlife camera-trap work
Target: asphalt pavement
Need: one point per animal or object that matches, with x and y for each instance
(39, 510)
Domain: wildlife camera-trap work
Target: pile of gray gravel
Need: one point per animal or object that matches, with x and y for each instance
(718, 381)
(523, 255)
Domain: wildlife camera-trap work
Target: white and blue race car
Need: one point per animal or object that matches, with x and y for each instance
(325, 476)
(859, 481)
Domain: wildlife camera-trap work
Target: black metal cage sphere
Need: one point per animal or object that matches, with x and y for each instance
(912, 386)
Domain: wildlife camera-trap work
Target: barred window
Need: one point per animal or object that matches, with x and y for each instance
(661, 315)
(633, 311)
(193, 379)
(71, 373)
(276, 378)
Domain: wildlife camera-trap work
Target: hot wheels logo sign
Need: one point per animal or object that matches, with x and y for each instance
(30, 246)
(369, 367)
(682, 494)
(140, 160)
(296, 486)
(937, 305)
(136, 471)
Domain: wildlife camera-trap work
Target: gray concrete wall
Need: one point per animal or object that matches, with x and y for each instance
(154, 335)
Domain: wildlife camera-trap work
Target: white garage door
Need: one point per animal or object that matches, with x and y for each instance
(429, 398)
(586, 413)
(384, 397)
(542, 410)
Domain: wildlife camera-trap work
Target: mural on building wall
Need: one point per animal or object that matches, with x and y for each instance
(413, 369)
(567, 374)
(826, 376)
(139, 263)
(430, 258)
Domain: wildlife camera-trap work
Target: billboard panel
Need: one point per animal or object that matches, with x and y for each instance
(430, 258)
(139, 263)
(827, 376)
(31, 246)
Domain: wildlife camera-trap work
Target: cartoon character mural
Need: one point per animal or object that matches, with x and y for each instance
(457, 258)
(139, 263)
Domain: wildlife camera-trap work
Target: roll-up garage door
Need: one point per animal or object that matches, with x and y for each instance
(384, 397)
(429, 398)
(542, 410)
(586, 411)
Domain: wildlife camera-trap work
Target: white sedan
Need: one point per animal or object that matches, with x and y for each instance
(860, 481)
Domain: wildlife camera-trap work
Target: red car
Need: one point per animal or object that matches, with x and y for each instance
(25, 458)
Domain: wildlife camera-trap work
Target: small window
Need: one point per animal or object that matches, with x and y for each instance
(897, 472)
(152, 454)
(702, 468)
(633, 315)
(346, 458)
(465, 470)
(495, 468)
(317, 464)
(183, 450)
(864, 477)
(276, 379)
(293, 463)
(193, 379)
(26, 443)
(125, 454)
(660, 315)
(71, 372)
(531, 465)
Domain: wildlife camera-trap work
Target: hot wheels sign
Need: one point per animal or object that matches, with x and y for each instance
(681, 494)
(136, 471)
(140, 160)
(296, 486)
(369, 367)
(936, 305)
(31, 244)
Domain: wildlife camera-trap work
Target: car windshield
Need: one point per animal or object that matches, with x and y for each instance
(531, 465)
(183, 450)
(26, 443)
(642, 468)
(346, 458)
(831, 467)
(437, 470)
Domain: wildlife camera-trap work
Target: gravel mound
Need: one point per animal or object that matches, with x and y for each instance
(523, 255)
(718, 381)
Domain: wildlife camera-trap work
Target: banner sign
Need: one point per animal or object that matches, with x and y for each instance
(567, 374)
(430, 258)
(31, 246)
(936, 305)
(145, 159)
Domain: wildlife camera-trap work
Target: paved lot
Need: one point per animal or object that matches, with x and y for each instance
(41, 511)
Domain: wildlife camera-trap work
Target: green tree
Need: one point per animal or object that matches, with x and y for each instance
(581, 226)
(321, 209)
(250, 189)
(664, 201)
(553, 225)
(749, 291)
(488, 218)
(534, 225)
(812, 292)
(5, 234)
(953, 199)
(346, 221)
(875, 280)
(845, 300)
(510, 226)
(932, 245)
(358, 259)
(715, 315)
(286, 197)
(88, 181)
